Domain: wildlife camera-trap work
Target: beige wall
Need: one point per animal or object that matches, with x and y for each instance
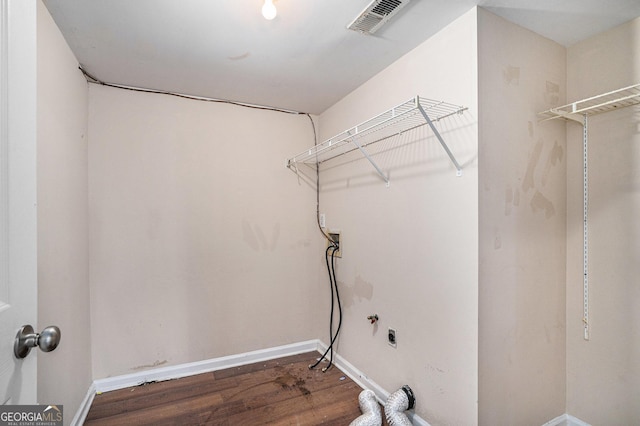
(522, 214)
(63, 247)
(200, 238)
(410, 250)
(603, 377)
(202, 242)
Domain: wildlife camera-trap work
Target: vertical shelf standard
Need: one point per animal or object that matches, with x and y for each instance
(579, 112)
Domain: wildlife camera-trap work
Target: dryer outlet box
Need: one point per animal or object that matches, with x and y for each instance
(336, 236)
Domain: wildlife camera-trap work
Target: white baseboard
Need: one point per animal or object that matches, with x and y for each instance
(85, 405)
(189, 369)
(192, 368)
(566, 420)
(366, 383)
(199, 367)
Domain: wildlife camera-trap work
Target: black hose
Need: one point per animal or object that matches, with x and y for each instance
(334, 285)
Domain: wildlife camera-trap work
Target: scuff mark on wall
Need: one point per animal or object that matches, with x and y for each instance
(261, 237)
(275, 235)
(508, 200)
(248, 236)
(552, 94)
(555, 156)
(360, 290)
(511, 75)
(528, 182)
(530, 128)
(497, 242)
(155, 364)
(255, 238)
(540, 202)
(239, 57)
(301, 244)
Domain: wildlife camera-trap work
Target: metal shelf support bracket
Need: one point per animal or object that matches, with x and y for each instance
(442, 142)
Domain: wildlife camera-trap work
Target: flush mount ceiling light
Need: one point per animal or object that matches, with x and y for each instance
(269, 10)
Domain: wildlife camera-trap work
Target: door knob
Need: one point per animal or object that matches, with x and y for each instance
(26, 339)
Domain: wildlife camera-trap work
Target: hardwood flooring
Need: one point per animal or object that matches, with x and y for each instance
(278, 392)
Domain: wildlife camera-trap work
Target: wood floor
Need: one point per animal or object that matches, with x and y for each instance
(278, 392)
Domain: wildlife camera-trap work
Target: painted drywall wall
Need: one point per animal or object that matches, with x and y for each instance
(603, 374)
(522, 212)
(410, 251)
(64, 375)
(202, 242)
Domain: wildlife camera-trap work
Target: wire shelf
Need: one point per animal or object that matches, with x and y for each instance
(413, 113)
(580, 111)
(625, 97)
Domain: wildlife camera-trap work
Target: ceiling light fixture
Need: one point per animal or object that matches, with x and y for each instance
(269, 10)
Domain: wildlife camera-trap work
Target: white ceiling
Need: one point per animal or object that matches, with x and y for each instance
(304, 60)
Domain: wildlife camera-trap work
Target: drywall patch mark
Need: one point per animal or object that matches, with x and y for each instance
(552, 93)
(528, 182)
(360, 290)
(155, 364)
(555, 156)
(540, 202)
(508, 200)
(511, 75)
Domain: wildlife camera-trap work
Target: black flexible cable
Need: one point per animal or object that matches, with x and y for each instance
(91, 79)
(334, 284)
(326, 257)
(333, 246)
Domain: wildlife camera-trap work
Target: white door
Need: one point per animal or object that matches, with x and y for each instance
(18, 239)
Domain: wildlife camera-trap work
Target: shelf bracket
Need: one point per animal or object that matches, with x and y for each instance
(566, 115)
(373, 163)
(295, 166)
(442, 142)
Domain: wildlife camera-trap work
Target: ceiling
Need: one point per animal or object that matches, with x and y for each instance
(304, 60)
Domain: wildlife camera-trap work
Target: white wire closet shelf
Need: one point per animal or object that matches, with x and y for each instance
(413, 113)
(579, 112)
(625, 97)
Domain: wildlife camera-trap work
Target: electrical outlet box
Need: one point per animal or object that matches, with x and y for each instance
(336, 236)
(391, 336)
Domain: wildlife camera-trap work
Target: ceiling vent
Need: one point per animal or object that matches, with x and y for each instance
(376, 15)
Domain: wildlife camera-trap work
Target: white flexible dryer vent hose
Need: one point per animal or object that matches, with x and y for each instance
(397, 403)
(371, 415)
